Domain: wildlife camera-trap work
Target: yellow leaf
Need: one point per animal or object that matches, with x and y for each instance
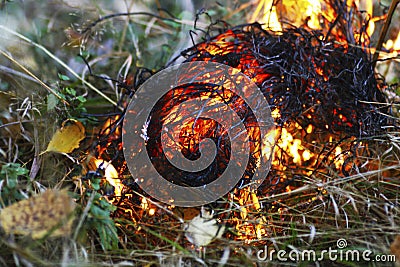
(66, 139)
(49, 213)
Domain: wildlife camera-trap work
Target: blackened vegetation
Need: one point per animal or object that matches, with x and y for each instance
(192, 150)
(203, 127)
(320, 78)
(310, 80)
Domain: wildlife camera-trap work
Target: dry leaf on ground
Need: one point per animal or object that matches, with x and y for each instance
(68, 137)
(39, 215)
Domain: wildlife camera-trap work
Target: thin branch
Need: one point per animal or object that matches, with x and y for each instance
(385, 28)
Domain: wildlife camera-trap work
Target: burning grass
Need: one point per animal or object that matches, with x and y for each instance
(333, 174)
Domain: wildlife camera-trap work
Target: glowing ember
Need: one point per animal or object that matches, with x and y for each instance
(246, 227)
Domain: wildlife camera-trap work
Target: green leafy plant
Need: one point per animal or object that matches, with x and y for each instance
(10, 176)
(98, 217)
(68, 93)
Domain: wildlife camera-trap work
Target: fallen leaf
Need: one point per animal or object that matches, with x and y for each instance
(203, 229)
(68, 137)
(49, 213)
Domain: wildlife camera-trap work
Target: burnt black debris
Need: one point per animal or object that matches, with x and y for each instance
(310, 79)
(321, 78)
